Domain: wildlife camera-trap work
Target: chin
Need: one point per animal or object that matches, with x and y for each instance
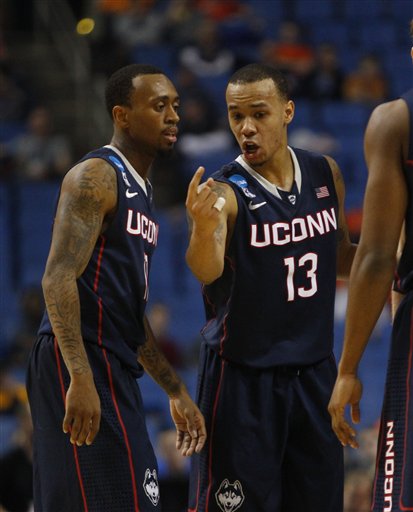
(165, 152)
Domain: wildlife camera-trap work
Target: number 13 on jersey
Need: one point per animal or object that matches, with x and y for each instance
(307, 264)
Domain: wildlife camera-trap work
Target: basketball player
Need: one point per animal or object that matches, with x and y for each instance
(268, 237)
(387, 206)
(83, 367)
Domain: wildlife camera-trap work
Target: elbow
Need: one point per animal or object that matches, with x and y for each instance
(377, 263)
(206, 273)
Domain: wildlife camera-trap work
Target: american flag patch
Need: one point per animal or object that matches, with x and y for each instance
(321, 192)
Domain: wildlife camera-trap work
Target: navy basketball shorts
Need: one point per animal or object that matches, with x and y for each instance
(118, 472)
(270, 444)
(393, 485)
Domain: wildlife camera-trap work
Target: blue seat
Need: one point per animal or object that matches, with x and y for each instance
(269, 15)
(377, 36)
(341, 117)
(314, 10)
(336, 33)
(36, 204)
(11, 129)
(304, 114)
(9, 309)
(161, 56)
(356, 10)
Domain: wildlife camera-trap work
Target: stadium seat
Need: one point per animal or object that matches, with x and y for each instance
(340, 117)
(36, 203)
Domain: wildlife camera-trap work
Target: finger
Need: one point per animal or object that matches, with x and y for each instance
(202, 436)
(190, 423)
(191, 444)
(186, 443)
(345, 433)
(67, 423)
(355, 413)
(84, 432)
(179, 439)
(219, 203)
(75, 430)
(93, 430)
(194, 183)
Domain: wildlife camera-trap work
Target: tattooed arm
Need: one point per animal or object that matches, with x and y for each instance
(345, 249)
(88, 195)
(189, 422)
(209, 227)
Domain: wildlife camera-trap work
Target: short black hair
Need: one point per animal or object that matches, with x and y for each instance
(256, 72)
(119, 86)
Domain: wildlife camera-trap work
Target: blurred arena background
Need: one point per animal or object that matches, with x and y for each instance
(342, 57)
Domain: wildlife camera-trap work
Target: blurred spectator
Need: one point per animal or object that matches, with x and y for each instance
(202, 127)
(360, 468)
(140, 24)
(325, 81)
(159, 316)
(14, 100)
(290, 53)
(367, 83)
(31, 312)
(207, 57)
(311, 140)
(16, 466)
(357, 490)
(40, 153)
(197, 111)
(219, 11)
(12, 391)
(173, 473)
(181, 23)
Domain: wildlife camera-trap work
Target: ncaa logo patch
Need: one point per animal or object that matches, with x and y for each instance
(151, 486)
(230, 496)
(117, 162)
(241, 182)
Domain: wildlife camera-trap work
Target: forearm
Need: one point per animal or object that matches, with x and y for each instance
(345, 262)
(205, 255)
(367, 296)
(63, 307)
(158, 367)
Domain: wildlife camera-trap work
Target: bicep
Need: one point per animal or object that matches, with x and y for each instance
(84, 201)
(385, 199)
(343, 238)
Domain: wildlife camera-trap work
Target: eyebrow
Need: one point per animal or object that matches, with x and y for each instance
(256, 104)
(165, 97)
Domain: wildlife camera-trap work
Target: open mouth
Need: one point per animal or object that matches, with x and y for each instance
(250, 148)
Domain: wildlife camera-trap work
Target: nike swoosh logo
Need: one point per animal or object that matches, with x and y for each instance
(252, 206)
(130, 194)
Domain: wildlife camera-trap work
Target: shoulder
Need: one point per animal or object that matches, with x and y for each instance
(387, 132)
(389, 118)
(93, 178)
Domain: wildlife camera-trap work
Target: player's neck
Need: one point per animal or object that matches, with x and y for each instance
(279, 171)
(140, 161)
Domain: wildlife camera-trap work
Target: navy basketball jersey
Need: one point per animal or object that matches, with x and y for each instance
(404, 275)
(274, 303)
(114, 287)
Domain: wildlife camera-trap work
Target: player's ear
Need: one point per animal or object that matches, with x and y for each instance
(289, 111)
(120, 116)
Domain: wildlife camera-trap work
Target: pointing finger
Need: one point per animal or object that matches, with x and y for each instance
(193, 185)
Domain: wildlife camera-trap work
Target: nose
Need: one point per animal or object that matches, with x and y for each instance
(172, 115)
(248, 127)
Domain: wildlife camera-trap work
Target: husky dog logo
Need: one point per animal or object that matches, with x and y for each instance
(151, 486)
(230, 496)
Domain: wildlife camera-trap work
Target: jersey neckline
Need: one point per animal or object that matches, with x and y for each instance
(140, 181)
(273, 189)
